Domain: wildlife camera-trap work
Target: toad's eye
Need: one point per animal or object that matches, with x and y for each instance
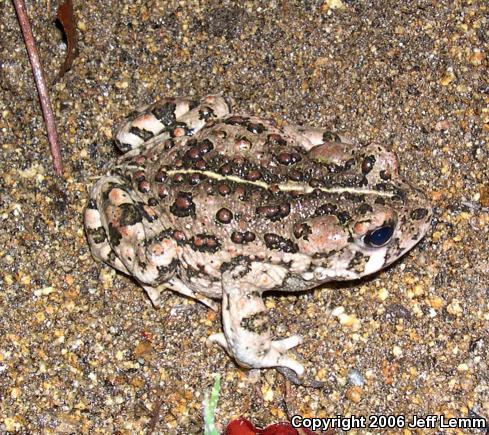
(379, 237)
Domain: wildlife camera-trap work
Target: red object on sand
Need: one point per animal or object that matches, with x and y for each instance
(241, 426)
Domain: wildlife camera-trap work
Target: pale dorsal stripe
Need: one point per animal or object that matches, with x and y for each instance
(290, 186)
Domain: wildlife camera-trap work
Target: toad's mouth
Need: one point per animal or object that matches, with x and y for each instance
(289, 186)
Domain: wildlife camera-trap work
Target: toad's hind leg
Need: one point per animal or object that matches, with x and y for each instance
(170, 117)
(116, 230)
(246, 324)
(178, 286)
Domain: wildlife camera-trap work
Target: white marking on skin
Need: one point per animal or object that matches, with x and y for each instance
(376, 261)
(284, 187)
(149, 123)
(299, 262)
(129, 138)
(92, 218)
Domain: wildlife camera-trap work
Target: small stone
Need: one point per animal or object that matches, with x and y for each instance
(354, 394)
(484, 196)
(397, 351)
(143, 348)
(355, 378)
(349, 320)
(476, 57)
(448, 78)
(383, 294)
(455, 308)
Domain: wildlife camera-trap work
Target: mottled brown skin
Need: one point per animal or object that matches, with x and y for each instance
(217, 205)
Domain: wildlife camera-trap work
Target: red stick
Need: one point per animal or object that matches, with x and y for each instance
(42, 90)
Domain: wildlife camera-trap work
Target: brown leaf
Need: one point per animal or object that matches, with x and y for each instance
(67, 20)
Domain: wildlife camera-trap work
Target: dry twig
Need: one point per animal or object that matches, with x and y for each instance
(42, 90)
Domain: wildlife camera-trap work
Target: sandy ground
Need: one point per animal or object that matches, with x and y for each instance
(82, 350)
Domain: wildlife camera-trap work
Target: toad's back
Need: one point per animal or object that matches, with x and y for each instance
(205, 200)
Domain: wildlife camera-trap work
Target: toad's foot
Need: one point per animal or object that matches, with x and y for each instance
(245, 320)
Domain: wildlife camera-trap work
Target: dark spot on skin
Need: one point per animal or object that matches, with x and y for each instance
(165, 113)
(240, 260)
(357, 263)
(419, 213)
(130, 214)
(200, 165)
(349, 164)
(139, 175)
(242, 238)
(274, 241)
(193, 104)
(235, 120)
(257, 323)
(273, 189)
(269, 211)
(296, 175)
(223, 189)
(226, 169)
(205, 113)
(112, 256)
(343, 217)
(302, 231)
(206, 146)
(144, 186)
(257, 128)
(275, 139)
(178, 178)
(114, 235)
(194, 179)
(364, 208)
(160, 176)
(224, 216)
(384, 175)
(288, 158)
(249, 237)
(326, 209)
(98, 235)
(352, 197)
(183, 205)
(179, 237)
(139, 132)
(123, 146)
(192, 154)
(315, 183)
(163, 191)
(150, 217)
(238, 160)
(169, 144)
(205, 243)
(284, 209)
(329, 136)
(253, 175)
(368, 164)
(242, 193)
(165, 272)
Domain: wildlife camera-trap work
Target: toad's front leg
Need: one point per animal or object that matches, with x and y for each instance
(245, 319)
